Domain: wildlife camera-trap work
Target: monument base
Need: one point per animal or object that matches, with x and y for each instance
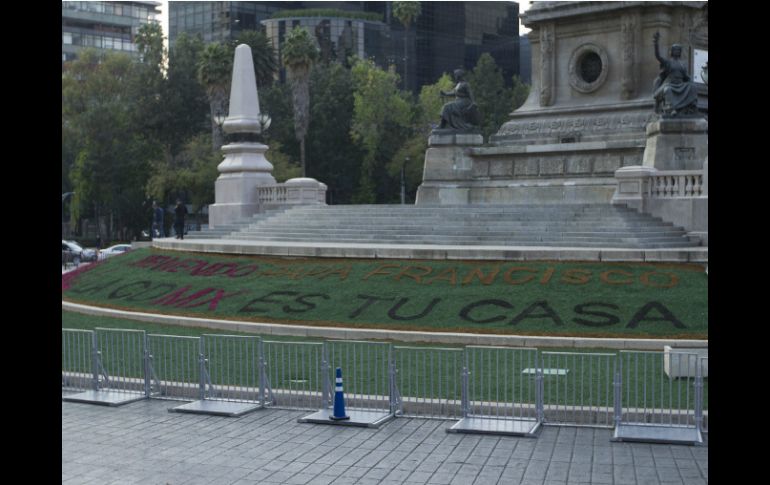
(236, 197)
(676, 144)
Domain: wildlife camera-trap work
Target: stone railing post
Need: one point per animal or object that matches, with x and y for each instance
(633, 186)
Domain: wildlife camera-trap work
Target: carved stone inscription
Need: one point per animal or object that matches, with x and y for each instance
(600, 124)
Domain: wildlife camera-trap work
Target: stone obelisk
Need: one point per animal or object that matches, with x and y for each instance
(245, 166)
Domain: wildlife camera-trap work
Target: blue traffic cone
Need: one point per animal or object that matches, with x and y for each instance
(339, 399)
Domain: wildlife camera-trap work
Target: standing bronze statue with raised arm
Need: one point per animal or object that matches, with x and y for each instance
(674, 93)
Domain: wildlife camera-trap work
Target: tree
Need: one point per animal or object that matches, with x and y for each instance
(520, 92)
(185, 103)
(381, 122)
(262, 53)
(214, 73)
(336, 157)
(406, 13)
(298, 54)
(108, 175)
(428, 108)
(492, 97)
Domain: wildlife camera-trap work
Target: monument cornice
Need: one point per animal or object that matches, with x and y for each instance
(550, 11)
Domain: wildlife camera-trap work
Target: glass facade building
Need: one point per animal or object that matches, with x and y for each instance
(103, 25)
(446, 35)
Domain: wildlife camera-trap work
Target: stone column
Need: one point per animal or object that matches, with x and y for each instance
(245, 166)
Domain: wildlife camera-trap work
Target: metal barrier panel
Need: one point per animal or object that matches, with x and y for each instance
(703, 365)
(232, 368)
(77, 366)
(428, 380)
(502, 382)
(121, 356)
(294, 374)
(175, 367)
(657, 392)
(365, 372)
(577, 388)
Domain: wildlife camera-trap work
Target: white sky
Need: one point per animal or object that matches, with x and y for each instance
(523, 6)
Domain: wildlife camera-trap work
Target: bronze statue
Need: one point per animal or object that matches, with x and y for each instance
(674, 93)
(461, 114)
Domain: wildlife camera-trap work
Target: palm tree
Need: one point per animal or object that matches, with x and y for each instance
(406, 13)
(214, 73)
(262, 53)
(297, 55)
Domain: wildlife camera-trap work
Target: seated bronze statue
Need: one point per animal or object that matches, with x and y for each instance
(461, 114)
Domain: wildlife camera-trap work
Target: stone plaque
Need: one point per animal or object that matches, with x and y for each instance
(525, 167)
(500, 168)
(481, 168)
(579, 165)
(552, 167)
(607, 164)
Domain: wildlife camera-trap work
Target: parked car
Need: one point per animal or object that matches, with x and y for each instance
(114, 250)
(76, 253)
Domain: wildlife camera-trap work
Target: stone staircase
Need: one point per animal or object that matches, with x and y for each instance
(572, 225)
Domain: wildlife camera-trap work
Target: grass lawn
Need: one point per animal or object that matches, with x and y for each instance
(642, 300)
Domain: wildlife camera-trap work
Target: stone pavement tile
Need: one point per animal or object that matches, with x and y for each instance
(441, 478)
(689, 473)
(579, 471)
(300, 479)
(624, 474)
(536, 470)
(376, 473)
(668, 473)
(419, 477)
(557, 471)
(694, 481)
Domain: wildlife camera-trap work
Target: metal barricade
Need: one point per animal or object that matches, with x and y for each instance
(657, 398)
(174, 367)
(77, 366)
(293, 370)
(428, 382)
(370, 394)
(118, 368)
(577, 388)
(703, 366)
(232, 374)
(499, 396)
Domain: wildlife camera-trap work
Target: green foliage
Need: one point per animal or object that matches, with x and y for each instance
(102, 99)
(298, 55)
(520, 92)
(283, 166)
(490, 94)
(337, 158)
(262, 54)
(382, 120)
(184, 98)
(406, 12)
(325, 12)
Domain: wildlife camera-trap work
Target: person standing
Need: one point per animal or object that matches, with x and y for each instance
(157, 220)
(180, 211)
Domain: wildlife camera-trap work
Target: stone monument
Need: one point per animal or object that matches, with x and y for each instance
(679, 139)
(446, 158)
(588, 111)
(245, 167)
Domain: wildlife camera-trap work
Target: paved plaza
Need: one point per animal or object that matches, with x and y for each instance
(143, 443)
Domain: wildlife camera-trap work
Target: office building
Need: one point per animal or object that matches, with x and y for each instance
(445, 36)
(104, 26)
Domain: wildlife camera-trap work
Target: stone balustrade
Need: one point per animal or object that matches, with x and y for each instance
(677, 196)
(676, 183)
(297, 191)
